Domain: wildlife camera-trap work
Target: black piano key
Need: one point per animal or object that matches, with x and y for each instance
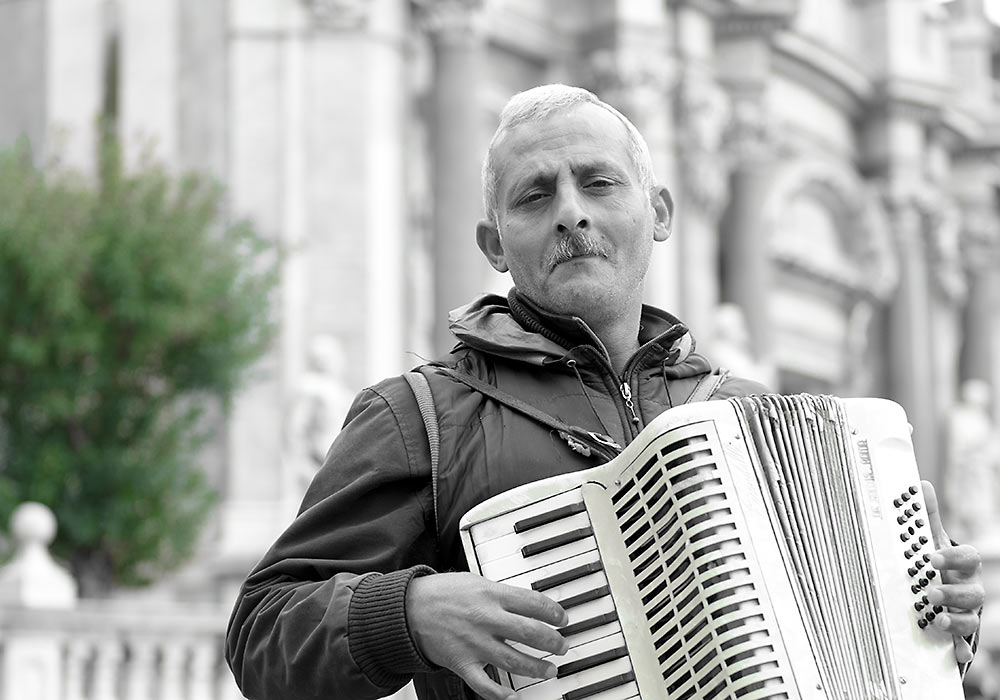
(559, 540)
(585, 597)
(599, 687)
(603, 657)
(544, 584)
(549, 517)
(589, 624)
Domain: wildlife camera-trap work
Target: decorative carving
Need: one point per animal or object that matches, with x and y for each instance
(749, 136)
(925, 216)
(973, 483)
(338, 14)
(702, 109)
(451, 19)
(858, 218)
(317, 411)
(979, 240)
(631, 81)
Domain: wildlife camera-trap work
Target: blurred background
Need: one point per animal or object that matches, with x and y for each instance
(279, 197)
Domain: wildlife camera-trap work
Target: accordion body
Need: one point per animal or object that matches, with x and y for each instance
(762, 547)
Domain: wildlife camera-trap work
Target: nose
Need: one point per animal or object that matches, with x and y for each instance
(570, 212)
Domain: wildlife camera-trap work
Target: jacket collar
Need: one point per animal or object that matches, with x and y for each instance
(518, 329)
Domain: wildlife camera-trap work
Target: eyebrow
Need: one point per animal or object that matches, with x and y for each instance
(546, 174)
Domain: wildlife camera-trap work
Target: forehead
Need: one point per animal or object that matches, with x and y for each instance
(582, 135)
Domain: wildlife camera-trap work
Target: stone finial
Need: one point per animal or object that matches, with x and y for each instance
(32, 579)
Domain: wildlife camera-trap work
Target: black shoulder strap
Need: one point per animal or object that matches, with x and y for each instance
(707, 386)
(425, 401)
(582, 441)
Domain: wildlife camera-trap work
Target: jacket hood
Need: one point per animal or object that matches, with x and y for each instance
(516, 329)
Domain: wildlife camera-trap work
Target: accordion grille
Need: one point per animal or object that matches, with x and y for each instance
(685, 549)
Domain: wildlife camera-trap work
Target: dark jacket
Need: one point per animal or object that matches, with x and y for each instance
(323, 613)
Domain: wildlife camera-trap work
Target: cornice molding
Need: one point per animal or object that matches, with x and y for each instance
(745, 21)
(822, 70)
(450, 20)
(338, 15)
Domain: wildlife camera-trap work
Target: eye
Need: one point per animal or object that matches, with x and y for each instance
(600, 182)
(532, 197)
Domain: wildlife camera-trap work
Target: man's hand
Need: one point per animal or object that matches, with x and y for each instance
(464, 621)
(961, 590)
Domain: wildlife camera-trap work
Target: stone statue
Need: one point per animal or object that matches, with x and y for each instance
(731, 346)
(318, 409)
(972, 486)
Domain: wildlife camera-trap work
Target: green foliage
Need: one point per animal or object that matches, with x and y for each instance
(125, 309)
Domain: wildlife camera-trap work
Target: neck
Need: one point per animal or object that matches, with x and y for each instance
(620, 337)
(618, 333)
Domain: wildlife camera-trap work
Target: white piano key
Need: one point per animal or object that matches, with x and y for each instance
(512, 542)
(556, 687)
(584, 612)
(577, 653)
(515, 564)
(504, 524)
(525, 579)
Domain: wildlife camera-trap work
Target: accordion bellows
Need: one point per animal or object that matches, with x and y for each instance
(762, 547)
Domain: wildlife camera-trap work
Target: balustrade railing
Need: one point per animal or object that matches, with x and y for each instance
(114, 650)
(56, 647)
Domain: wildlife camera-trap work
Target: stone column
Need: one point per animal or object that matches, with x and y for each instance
(701, 111)
(459, 136)
(701, 193)
(911, 364)
(743, 51)
(251, 514)
(981, 252)
(745, 247)
(148, 80)
(52, 82)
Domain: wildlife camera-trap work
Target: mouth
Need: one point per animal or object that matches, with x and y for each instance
(575, 258)
(576, 248)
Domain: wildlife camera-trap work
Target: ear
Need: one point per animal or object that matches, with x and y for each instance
(663, 209)
(488, 238)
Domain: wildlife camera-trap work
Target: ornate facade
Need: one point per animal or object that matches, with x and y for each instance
(835, 166)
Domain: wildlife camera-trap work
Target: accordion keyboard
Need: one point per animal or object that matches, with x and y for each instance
(766, 548)
(550, 547)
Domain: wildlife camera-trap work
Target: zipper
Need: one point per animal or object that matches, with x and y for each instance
(627, 395)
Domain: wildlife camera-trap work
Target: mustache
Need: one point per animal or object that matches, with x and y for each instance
(576, 245)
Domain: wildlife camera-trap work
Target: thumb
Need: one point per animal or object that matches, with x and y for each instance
(941, 538)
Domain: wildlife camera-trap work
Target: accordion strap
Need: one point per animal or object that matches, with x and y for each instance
(425, 402)
(582, 441)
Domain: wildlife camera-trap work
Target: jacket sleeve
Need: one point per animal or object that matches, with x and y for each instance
(322, 615)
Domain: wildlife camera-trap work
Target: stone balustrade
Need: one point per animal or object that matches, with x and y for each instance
(56, 647)
(114, 650)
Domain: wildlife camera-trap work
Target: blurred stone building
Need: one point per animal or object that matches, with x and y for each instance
(835, 166)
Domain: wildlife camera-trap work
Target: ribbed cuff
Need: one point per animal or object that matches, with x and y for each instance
(378, 635)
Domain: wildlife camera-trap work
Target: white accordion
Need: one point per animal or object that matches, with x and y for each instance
(763, 547)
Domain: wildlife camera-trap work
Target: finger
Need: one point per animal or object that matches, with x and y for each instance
(533, 633)
(960, 596)
(963, 559)
(963, 651)
(960, 624)
(509, 659)
(532, 604)
(477, 679)
(941, 538)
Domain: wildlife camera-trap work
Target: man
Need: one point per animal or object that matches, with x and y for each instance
(349, 603)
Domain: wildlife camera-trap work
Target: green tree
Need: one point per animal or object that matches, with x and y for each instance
(126, 308)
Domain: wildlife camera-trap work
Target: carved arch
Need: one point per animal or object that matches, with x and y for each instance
(860, 221)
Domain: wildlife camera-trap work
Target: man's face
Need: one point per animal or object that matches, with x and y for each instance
(575, 226)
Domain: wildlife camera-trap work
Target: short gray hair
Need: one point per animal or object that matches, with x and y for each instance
(540, 102)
